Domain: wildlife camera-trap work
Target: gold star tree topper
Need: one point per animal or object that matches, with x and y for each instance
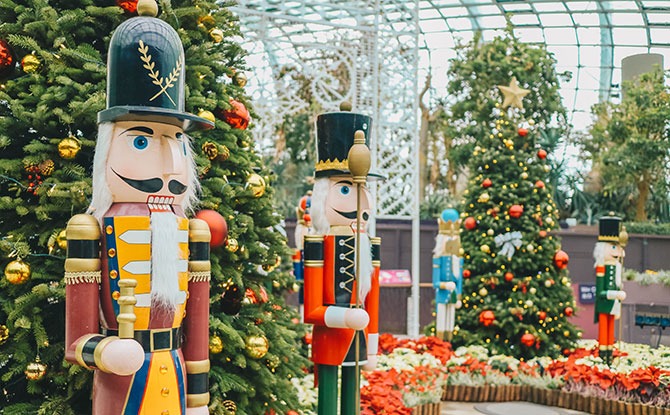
(513, 94)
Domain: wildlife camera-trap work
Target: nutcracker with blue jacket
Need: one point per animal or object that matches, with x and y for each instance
(608, 255)
(342, 262)
(137, 272)
(447, 273)
(302, 228)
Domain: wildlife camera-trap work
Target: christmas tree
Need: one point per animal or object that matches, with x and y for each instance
(516, 292)
(52, 85)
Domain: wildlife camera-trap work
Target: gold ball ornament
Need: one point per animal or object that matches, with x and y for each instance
(4, 333)
(208, 115)
(68, 148)
(524, 175)
(147, 8)
(35, 370)
(17, 272)
(485, 248)
(216, 35)
(229, 407)
(484, 197)
(233, 245)
(240, 79)
(533, 290)
(490, 232)
(256, 346)
(30, 63)
(215, 345)
(256, 183)
(61, 240)
(295, 287)
(566, 333)
(483, 292)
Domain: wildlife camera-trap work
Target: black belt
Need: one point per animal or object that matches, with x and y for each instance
(154, 340)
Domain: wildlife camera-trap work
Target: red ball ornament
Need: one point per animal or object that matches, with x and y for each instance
(466, 273)
(217, 226)
(307, 338)
(543, 234)
(568, 311)
(7, 60)
(528, 340)
(522, 132)
(515, 211)
(237, 116)
(470, 223)
(487, 183)
(539, 184)
(509, 276)
(130, 6)
(542, 154)
(561, 259)
(486, 318)
(542, 315)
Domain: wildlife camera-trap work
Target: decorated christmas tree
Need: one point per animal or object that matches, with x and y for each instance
(52, 85)
(516, 291)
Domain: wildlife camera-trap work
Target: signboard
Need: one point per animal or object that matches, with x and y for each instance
(587, 293)
(395, 277)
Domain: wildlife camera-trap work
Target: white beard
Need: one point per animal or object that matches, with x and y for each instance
(365, 275)
(165, 291)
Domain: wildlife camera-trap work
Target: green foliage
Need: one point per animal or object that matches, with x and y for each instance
(648, 277)
(475, 71)
(648, 228)
(629, 142)
(61, 99)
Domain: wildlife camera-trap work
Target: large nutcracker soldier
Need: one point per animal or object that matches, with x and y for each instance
(302, 228)
(342, 262)
(138, 315)
(608, 255)
(447, 273)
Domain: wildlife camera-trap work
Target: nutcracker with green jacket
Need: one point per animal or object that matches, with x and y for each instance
(447, 273)
(608, 255)
(341, 262)
(137, 270)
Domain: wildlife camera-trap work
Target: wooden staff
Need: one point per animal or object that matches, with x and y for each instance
(359, 165)
(126, 318)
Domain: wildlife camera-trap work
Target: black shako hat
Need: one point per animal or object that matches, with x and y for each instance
(334, 138)
(609, 228)
(145, 75)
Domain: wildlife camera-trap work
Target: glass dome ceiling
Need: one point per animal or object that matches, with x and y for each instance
(587, 38)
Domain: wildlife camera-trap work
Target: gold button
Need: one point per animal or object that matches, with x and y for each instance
(165, 391)
(113, 274)
(109, 229)
(163, 369)
(116, 295)
(111, 252)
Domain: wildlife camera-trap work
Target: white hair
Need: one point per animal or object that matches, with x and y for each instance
(440, 241)
(102, 196)
(599, 253)
(318, 206)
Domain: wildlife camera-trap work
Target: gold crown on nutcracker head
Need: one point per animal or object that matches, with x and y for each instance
(449, 222)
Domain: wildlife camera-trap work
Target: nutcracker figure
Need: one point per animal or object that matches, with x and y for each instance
(137, 271)
(342, 262)
(302, 228)
(608, 255)
(447, 273)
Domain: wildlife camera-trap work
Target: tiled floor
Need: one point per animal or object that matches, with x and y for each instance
(468, 408)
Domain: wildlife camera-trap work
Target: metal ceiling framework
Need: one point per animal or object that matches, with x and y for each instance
(373, 53)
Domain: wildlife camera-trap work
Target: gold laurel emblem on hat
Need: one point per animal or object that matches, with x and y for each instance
(162, 82)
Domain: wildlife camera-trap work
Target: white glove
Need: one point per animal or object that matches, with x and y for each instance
(122, 357)
(356, 318)
(449, 286)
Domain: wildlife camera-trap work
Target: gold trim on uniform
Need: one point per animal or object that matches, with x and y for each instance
(313, 263)
(97, 353)
(332, 165)
(193, 400)
(375, 240)
(198, 231)
(199, 266)
(83, 226)
(612, 238)
(82, 264)
(313, 238)
(79, 349)
(377, 263)
(197, 366)
(82, 277)
(199, 276)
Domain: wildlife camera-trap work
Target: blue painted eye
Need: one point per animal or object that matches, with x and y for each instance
(345, 190)
(140, 142)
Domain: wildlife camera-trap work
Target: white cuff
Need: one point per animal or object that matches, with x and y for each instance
(334, 317)
(615, 295)
(373, 343)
